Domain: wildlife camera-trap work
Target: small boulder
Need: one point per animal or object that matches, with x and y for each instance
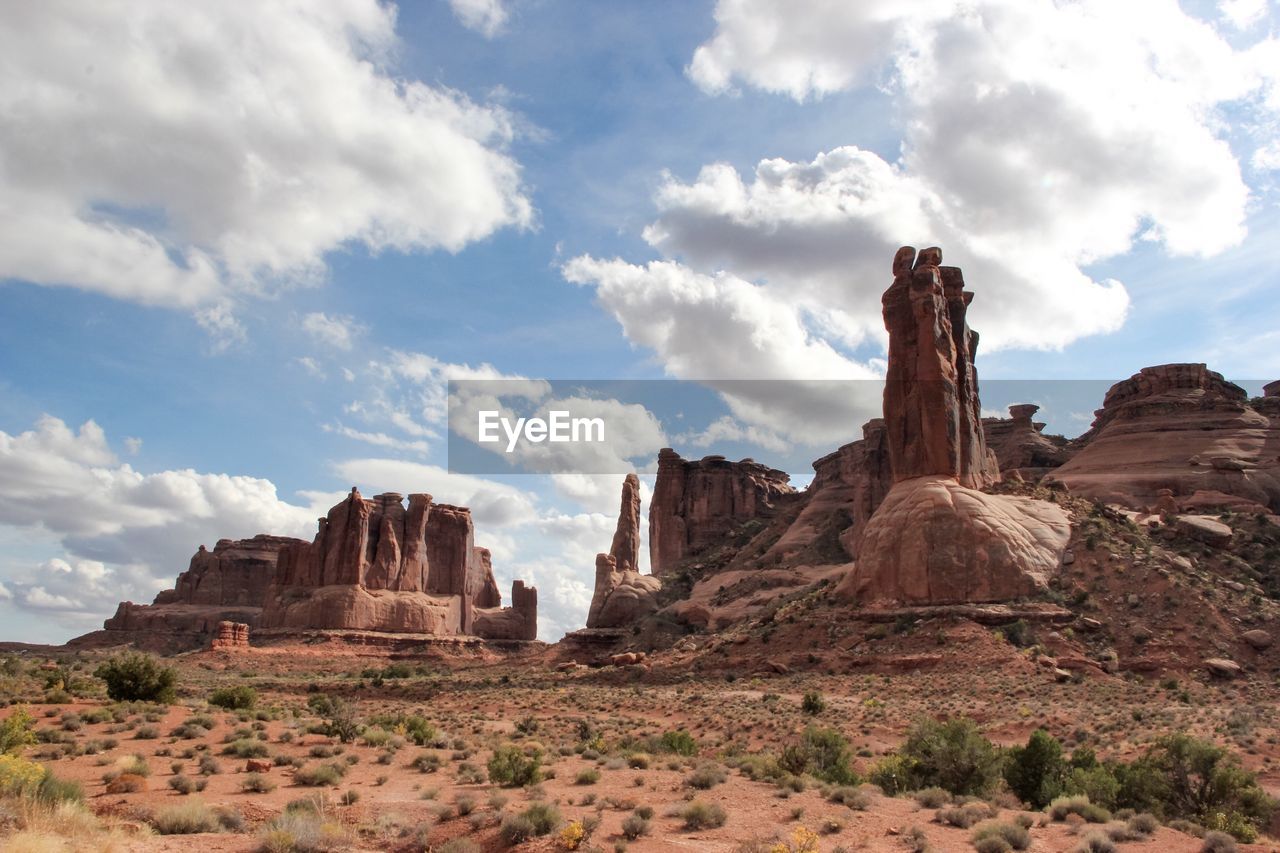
(1257, 638)
(1202, 528)
(257, 766)
(1222, 668)
(1061, 675)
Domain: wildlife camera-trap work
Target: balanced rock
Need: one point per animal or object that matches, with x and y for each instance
(1020, 445)
(695, 504)
(1184, 428)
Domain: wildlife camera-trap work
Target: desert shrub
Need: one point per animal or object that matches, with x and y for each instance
(185, 784)
(376, 737)
(246, 748)
(1100, 783)
(427, 762)
(1143, 824)
(1095, 842)
(813, 703)
(319, 775)
(257, 783)
(303, 831)
(209, 766)
(1078, 804)
(338, 718)
(706, 776)
(136, 677)
(634, 826)
(18, 776)
(891, 774)
(458, 845)
(350, 797)
(702, 815)
(1015, 837)
(952, 755)
(515, 829)
(1199, 779)
(678, 741)
(638, 761)
(823, 752)
(186, 819)
(966, 815)
(239, 698)
(932, 798)
(1035, 772)
(855, 798)
(127, 783)
(511, 767)
(16, 732)
(1218, 842)
(590, 776)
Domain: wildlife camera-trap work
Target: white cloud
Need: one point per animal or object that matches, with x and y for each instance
(379, 439)
(1243, 14)
(1038, 138)
(5, 594)
(337, 331)
(311, 366)
(486, 17)
(727, 428)
(270, 139)
(133, 445)
(126, 534)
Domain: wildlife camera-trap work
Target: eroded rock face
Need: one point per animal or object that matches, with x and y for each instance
(848, 485)
(934, 541)
(517, 622)
(231, 635)
(227, 584)
(1184, 428)
(622, 595)
(1019, 443)
(931, 409)
(377, 566)
(695, 504)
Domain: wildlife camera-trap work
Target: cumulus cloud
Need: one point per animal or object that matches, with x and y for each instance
(125, 534)
(486, 17)
(5, 594)
(270, 139)
(337, 331)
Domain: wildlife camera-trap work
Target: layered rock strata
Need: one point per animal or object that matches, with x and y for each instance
(1179, 436)
(1019, 443)
(696, 503)
(377, 566)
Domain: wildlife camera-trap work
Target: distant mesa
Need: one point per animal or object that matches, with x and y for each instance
(1179, 437)
(374, 566)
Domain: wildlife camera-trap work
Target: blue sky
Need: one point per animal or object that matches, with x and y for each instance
(242, 250)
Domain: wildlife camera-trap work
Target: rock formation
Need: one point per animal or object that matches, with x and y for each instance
(231, 635)
(931, 409)
(935, 539)
(847, 488)
(695, 504)
(375, 566)
(227, 584)
(1185, 429)
(622, 595)
(1019, 443)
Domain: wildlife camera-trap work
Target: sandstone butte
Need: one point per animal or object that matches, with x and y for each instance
(374, 566)
(622, 596)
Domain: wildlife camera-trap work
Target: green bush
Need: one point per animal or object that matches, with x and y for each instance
(1078, 804)
(246, 748)
(136, 677)
(16, 732)
(952, 755)
(257, 783)
(590, 776)
(679, 741)
(1199, 779)
(515, 829)
(706, 776)
(239, 698)
(1013, 836)
(339, 719)
(512, 768)
(813, 703)
(319, 775)
(823, 752)
(634, 826)
(1036, 772)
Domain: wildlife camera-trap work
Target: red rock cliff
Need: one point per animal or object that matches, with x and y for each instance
(695, 504)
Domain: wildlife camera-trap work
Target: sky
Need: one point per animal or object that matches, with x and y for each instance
(243, 247)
